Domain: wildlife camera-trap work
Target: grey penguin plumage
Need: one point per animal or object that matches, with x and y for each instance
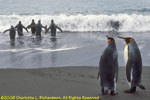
(133, 62)
(108, 68)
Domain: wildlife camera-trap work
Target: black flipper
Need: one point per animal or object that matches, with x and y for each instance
(129, 66)
(116, 65)
(102, 91)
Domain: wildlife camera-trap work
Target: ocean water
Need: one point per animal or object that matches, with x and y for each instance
(78, 15)
(85, 24)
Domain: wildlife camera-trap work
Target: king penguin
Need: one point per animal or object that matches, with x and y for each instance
(133, 63)
(108, 68)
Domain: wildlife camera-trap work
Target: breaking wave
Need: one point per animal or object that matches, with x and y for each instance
(83, 23)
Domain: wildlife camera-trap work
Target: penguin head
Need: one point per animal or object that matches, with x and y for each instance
(52, 21)
(127, 39)
(19, 22)
(39, 21)
(110, 39)
(32, 20)
(12, 26)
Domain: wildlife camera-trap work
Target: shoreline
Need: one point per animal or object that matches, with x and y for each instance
(66, 81)
(53, 67)
(70, 50)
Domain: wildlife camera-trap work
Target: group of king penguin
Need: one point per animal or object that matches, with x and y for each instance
(108, 66)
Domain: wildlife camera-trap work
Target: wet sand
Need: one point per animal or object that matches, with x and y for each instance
(70, 49)
(66, 81)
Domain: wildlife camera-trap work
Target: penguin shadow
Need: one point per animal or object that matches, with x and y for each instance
(20, 41)
(12, 43)
(37, 40)
(12, 46)
(53, 40)
(54, 43)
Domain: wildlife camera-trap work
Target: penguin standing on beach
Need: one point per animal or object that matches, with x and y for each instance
(108, 68)
(133, 62)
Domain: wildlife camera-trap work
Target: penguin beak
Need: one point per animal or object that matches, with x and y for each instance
(107, 36)
(122, 38)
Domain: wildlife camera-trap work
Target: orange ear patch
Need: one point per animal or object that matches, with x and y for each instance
(109, 40)
(131, 40)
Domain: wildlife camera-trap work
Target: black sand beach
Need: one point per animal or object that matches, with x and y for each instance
(66, 81)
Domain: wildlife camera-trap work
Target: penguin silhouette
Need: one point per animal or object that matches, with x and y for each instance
(133, 60)
(108, 68)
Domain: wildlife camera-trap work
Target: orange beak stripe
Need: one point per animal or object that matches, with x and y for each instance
(123, 39)
(109, 40)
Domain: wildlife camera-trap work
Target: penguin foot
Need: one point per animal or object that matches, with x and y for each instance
(130, 91)
(104, 93)
(113, 93)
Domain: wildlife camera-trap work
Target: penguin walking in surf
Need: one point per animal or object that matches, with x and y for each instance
(108, 68)
(133, 62)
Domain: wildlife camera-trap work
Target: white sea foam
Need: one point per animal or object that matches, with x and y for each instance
(37, 49)
(82, 23)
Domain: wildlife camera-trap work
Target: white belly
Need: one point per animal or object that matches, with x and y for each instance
(126, 59)
(126, 54)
